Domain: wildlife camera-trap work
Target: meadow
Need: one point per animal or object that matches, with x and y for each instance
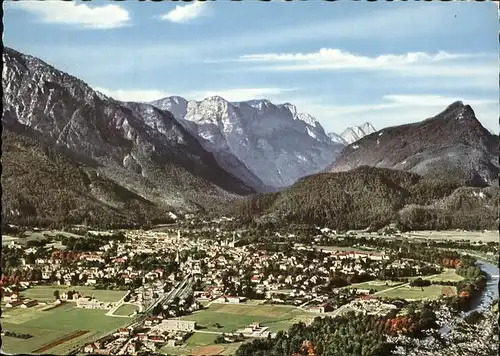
(448, 275)
(234, 316)
(46, 293)
(126, 309)
(413, 293)
(201, 344)
(377, 285)
(47, 327)
(485, 236)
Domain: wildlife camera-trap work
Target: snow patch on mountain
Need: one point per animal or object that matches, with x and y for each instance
(277, 143)
(336, 138)
(353, 134)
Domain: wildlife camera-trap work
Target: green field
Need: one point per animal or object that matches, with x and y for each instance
(377, 285)
(234, 316)
(46, 293)
(345, 249)
(49, 326)
(126, 309)
(407, 292)
(448, 275)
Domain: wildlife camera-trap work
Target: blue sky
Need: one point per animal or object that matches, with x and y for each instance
(343, 62)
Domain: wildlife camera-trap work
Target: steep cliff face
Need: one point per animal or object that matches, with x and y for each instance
(453, 145)
(275, 143)
(138, 146)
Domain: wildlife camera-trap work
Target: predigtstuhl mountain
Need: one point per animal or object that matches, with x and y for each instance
(453, 145)
(137, 147)
(275, 142)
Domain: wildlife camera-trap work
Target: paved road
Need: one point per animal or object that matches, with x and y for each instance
(117, 305)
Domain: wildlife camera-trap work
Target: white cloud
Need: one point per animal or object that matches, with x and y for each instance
(396, 109)
(240, 94)
(337, 59)
(433, 100)
(71, 13)
(133, 94)
(186, 13)
(342, 59)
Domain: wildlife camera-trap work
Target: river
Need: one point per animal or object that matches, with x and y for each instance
(487, 296)
(490, 292)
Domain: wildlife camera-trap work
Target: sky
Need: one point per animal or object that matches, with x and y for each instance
(344, 62)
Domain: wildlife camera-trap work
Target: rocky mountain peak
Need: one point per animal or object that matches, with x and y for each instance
(136, 145)
(277, 143)
(452, 145)
(352, 134)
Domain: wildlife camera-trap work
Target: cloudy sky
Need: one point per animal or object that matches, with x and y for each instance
(343, 62)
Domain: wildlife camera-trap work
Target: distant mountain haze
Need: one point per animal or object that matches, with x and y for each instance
(352, 134)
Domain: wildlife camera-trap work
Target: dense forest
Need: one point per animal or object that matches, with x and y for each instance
(374, 197)
(350, 334)
(52, 190)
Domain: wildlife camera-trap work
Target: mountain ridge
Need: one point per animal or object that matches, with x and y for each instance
(163, 163)
(451, 144)
(277, 143)
(352, 134)
(371, 197)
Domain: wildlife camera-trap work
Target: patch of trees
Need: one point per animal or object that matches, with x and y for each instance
(225, 339)
(157, 309)
(413, 323)
(473, 318)
(63, 193)
(17, 335)
(351, 334)
(470, 287)
(37, 243)
(419, 282)
(86, 244)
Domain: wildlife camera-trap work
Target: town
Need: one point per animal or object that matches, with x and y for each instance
(207, 289)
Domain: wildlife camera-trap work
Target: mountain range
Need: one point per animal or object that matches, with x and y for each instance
(352, 134)
(440, 173)
(161, 162)
(174, 154)
(275, 143)
(73, 154)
